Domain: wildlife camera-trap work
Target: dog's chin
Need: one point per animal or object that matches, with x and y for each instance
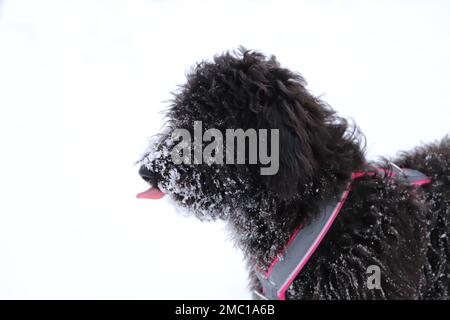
(202, 208)
(183, 201)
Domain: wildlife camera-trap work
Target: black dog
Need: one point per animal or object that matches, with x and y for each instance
(401, 228)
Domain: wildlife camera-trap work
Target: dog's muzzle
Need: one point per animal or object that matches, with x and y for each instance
(153, 192)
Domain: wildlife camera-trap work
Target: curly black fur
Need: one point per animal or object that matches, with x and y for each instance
(402, 229)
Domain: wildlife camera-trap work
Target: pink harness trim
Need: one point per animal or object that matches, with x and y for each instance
(355, 176)
(282, 295)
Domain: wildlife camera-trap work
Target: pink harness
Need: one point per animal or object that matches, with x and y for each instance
(305, 240)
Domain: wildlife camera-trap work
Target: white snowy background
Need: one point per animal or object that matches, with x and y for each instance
(81, 87)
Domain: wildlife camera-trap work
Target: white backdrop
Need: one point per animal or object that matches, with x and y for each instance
(81, 85)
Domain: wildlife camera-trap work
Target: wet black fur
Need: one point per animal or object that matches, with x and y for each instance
(404, 230)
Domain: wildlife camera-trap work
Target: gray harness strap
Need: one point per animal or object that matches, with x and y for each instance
(305, 241)
(413, 177)
(283, 270)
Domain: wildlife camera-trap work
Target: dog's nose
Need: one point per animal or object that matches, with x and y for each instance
(153, 192)
(145, 174)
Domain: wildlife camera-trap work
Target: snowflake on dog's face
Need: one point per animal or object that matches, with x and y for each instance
(207, 191)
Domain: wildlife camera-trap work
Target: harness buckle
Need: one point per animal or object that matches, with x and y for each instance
(397, 169)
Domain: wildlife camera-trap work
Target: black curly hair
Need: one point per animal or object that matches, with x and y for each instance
(383, 222)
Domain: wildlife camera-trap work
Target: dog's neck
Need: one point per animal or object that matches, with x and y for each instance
(264, 231)
(264, 225)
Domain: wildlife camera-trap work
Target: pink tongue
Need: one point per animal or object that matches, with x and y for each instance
(152, 193)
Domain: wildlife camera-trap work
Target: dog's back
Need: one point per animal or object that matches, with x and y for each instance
(434, 161)
(403, 230)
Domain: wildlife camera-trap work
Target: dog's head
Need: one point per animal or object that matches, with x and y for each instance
(244, 90)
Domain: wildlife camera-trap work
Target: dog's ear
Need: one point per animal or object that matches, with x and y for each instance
(260, 94)
(275, 98)
(296, 160)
